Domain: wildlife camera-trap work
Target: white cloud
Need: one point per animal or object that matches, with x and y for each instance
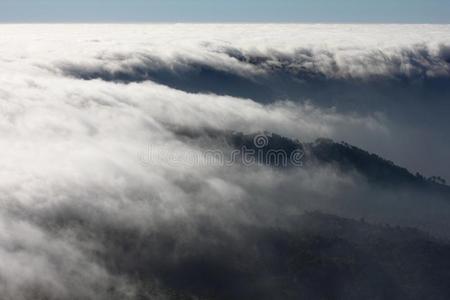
(71, 173)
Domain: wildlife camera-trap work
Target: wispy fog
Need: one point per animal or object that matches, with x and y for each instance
(86, 213)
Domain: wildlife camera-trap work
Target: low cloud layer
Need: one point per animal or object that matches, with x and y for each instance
(85, 214)
(404, 86)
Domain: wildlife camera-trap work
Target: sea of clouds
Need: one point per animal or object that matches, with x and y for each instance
(81, 106)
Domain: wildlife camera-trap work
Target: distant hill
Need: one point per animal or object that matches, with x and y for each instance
(344, 156)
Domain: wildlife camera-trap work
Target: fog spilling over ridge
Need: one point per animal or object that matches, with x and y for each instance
(124, 175)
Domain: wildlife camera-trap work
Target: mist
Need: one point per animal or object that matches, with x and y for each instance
(107, 192)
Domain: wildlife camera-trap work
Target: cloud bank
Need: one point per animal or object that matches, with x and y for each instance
(86, 215)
